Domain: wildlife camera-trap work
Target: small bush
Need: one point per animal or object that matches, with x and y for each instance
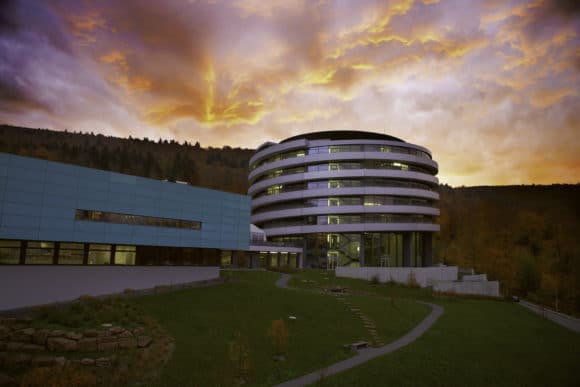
(412, 280)
(375, 280)
(279, 334)
(58, 377)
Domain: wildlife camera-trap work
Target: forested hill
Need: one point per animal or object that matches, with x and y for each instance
(528, 237)
(218, 168)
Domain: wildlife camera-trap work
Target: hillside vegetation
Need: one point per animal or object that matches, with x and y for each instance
(528, 237)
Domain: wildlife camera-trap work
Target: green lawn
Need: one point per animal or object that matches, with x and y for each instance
(203, 322)
(322, 279)
(477, 343)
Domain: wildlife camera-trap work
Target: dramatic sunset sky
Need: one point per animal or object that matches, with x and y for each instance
(491, 87)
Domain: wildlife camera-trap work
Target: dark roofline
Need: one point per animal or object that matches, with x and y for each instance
(342, 135)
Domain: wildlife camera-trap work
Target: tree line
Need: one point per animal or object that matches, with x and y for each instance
(527, 237)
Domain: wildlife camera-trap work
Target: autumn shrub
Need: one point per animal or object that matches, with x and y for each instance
(412, 280)
(279, 335)
(58, 377)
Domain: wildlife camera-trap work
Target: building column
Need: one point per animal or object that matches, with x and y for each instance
(427, 249)
(407, 249)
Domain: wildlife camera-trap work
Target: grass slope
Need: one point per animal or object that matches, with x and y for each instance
(203, 322)
(477, 343)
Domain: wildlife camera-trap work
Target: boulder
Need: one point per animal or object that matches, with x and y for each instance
(126, 342)
(56, 333)
(42, 361)
(144, 341)
(112, 346)
(126, 334)
(138, 331)
(32, 348)
(14, 346)
(59, 361)
(73, 335)
(116, 330)
(103, 362)
(107, 339)
(18, 359)
(4, 332)
(91, 333)
(27, 331)
(40, 336)
(7, 381)
(61, 344)
(87, 344)
(88, 361)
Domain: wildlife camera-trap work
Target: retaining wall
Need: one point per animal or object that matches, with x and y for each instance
(483, 288)
(27, 285)
(425, 276)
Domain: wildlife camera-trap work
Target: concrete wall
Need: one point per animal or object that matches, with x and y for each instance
(38, 199)
(22, 286)
(474, 277)
(425, 276)
(483, 288)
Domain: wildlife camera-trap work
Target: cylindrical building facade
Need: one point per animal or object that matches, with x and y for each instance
(350, 198)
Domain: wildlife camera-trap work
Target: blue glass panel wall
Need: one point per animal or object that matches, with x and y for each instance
(38, 199)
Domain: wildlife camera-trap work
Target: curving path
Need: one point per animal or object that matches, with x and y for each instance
(366, 354)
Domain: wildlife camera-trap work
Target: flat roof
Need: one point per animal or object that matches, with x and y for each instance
(342, 135)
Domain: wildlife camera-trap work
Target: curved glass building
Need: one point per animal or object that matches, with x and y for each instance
(351, 198)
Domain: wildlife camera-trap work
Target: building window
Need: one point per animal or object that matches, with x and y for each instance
(39, 253)
(71, 254)
(125, 255)
(117, 218)
(226, 258)
(99, 254)
(9, 252)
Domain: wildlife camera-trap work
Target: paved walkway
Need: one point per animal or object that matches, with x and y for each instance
(366, 354)
(562, 319)
(282, 282)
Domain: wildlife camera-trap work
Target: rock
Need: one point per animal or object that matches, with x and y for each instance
(91, 333)
(87, 344)
(40, 336)
(9, 321)
(73, 335)
(4, 332)
(27, 331)
(18, 359)
(61, 344)
(42, 361)
(144, 341)
(88, 362)
(14, 346)
(138, 331)
(59, 361)
(126, 333)
(108, 346)
(107, 339)
(32, 348)
(126, 342)
(21, 338)
(7, 381)
(56, 333)
(73, 363)
(116, 330)
(103, 362)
